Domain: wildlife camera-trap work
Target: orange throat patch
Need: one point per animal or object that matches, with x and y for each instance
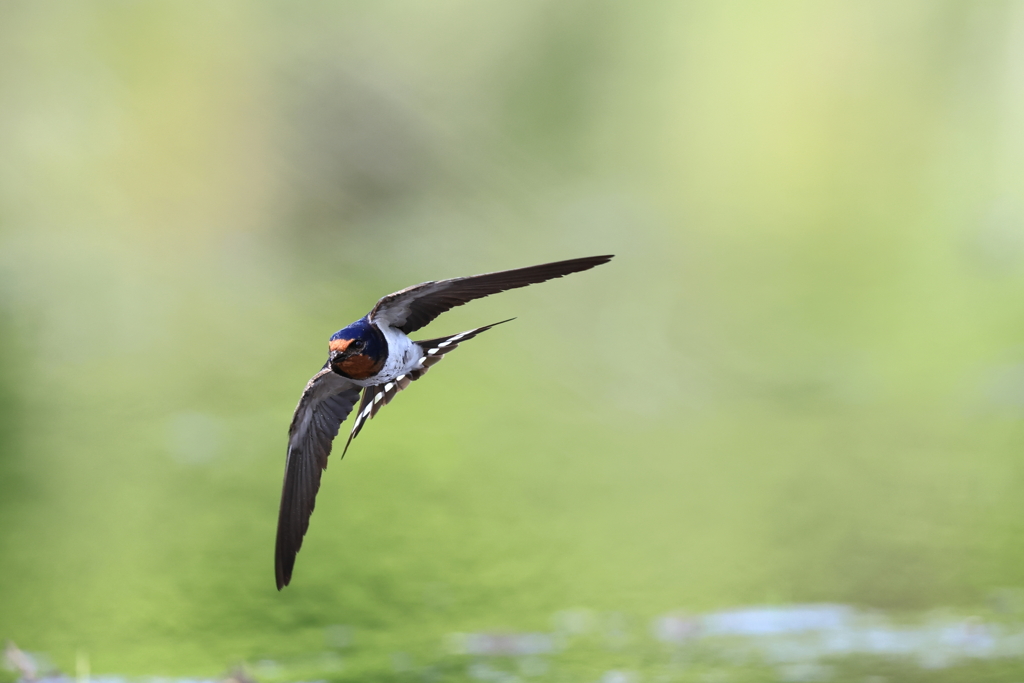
(359, 366)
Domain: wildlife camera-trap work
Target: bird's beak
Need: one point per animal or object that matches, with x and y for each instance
(338, 356)
(340, 350)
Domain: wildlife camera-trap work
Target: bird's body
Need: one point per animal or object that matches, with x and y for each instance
(383, 353)
(375, 356)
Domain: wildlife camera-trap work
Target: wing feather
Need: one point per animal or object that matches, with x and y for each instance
(414, 307)
(325, 403)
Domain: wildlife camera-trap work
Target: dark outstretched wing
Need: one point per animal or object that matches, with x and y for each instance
(325, 403)
(413, 307)
(376, 397)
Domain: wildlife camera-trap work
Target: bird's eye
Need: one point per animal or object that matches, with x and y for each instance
(358, 344)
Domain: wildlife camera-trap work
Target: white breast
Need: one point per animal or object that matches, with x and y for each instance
(403, 356)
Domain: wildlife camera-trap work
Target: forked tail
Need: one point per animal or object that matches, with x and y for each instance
(380, 395)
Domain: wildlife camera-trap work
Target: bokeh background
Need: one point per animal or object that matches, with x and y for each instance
(801, 379)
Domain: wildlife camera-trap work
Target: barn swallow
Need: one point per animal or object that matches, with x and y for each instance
(375, 356)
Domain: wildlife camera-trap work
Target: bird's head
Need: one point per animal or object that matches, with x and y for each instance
(358, 351)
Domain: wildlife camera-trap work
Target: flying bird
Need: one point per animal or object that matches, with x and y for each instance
(375, 356)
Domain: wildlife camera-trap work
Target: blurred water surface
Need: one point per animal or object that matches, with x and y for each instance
(798, 382)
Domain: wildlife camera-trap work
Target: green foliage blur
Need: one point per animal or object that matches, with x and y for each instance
(801, 379)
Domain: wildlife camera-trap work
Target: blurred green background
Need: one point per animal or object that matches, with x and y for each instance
(801, 379)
